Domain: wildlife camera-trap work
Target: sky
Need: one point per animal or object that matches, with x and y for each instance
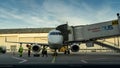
(51, 13)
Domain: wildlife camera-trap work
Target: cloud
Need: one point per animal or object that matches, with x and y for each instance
(27, 18)
(51, 13)
(60, 10)
(82, 14)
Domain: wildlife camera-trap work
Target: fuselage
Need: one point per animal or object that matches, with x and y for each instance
(55, 39)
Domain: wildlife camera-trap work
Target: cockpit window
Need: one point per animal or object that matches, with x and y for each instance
(55, 33)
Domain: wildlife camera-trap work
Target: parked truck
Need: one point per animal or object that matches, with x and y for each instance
(2, 49)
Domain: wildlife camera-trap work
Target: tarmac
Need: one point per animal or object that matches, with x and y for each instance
(71, 59)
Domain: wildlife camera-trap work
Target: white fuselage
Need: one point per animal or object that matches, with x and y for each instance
(55, 39)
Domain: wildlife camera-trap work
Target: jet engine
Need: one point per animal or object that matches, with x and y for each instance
(75, 48)
(36, 48)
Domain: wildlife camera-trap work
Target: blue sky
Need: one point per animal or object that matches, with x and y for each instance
(51, 13)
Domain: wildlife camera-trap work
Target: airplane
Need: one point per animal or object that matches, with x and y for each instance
(55, 41)
(58, 37)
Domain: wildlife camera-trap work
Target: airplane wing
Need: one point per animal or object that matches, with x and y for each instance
(43, 44)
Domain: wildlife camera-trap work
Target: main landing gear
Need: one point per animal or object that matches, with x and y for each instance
(67, 51)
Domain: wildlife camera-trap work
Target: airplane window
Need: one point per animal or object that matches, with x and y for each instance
(55, 33)
(58, 33)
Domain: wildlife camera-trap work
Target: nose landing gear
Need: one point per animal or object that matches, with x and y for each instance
(55, 53)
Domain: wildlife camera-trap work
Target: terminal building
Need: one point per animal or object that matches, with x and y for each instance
(22, 35)
(40, 35)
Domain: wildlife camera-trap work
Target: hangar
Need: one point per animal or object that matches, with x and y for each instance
(39, 35)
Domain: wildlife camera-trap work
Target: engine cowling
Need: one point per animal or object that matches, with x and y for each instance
(36, 48)
(75, 48)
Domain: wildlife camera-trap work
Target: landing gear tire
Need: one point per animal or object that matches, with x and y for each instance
(67, 52)
(3, 51)
(55, 54)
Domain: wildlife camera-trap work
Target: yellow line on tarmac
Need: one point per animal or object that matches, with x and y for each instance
(53, 60)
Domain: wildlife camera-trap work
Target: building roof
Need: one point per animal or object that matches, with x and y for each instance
(25, 30)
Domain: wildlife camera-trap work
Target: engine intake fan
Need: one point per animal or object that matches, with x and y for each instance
(36, 48)
(75, 48)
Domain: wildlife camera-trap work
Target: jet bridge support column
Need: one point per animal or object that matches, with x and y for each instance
(118, 28)
(108, 46)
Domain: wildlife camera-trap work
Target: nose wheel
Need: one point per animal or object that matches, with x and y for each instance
(55, 53)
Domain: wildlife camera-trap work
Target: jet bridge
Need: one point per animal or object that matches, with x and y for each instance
(95, 31)
(90, 33)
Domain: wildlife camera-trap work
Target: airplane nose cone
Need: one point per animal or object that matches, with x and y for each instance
(55, 40)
